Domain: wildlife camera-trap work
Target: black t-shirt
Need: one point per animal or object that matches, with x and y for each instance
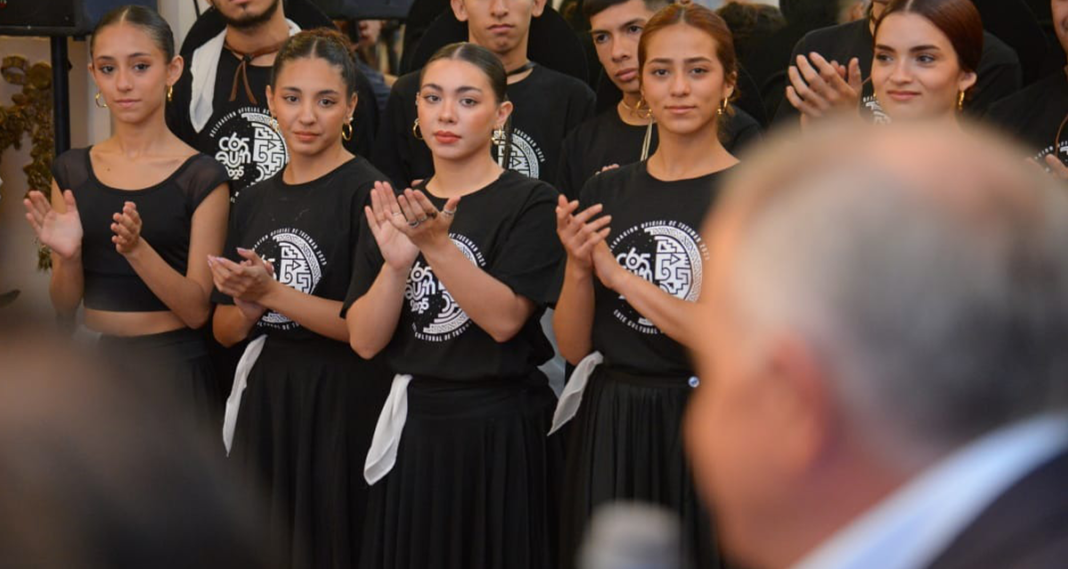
(508, 229)
(309, 232)
(655, 235)
(1034, 115)
(606, 139)
(548, 104)
(166, 211)
(999, 73)
(239, 133)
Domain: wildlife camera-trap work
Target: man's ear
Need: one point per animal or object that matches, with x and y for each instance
(460, 10)
(539, 8)
(801, 394)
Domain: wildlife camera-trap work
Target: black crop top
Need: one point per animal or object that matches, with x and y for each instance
(166, 211)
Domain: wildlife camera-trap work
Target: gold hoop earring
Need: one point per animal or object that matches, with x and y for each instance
(722, 110)
(498, 138)
(274, 125)
(415, 130)
(960, 102)
(346, 134)
(170, 93)
(99, 104)
(644, 111)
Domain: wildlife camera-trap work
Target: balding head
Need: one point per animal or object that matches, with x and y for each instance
(876, 298)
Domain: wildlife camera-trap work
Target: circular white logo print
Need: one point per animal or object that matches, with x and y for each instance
(298, 263)
(668, 254)
(248, 147)
(435, 315)
(526, 157)
(1061, 153)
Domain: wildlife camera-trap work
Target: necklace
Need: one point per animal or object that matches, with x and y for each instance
(522, 68)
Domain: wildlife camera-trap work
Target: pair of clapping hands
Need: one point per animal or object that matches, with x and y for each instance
(62, 231)
(583, 236)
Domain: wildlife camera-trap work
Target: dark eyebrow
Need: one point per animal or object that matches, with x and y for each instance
(912, 49)
(701, 59)
(463, 89)
(635, 21)
(131, 56)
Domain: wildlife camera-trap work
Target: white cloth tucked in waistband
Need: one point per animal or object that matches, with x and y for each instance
(383, 452)
(233, 403)
(571, 397)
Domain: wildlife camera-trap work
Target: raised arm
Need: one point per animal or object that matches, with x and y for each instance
(58, 226)
(188, 295)
(573, 317)
(373, 318)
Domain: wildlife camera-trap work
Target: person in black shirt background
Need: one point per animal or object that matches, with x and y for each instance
(219, 105)
(630, 279)
(450, 291)
(133, 218)
(308, 403)
(1037, 116)
(835, 79)
(625, 133)
(548, 104)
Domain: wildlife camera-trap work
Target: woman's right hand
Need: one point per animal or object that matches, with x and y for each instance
(578, 234)
(397, 249)
(59, 231)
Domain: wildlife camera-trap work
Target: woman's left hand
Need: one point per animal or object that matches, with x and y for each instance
(127, 228)
(249, 281)
(424, 225)
(607, 268)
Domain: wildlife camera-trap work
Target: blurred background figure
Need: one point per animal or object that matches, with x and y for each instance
(631, 535)
(883, 359)
(99, 473)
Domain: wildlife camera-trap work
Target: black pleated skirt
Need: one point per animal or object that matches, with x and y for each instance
(625, 443)
(301, 438)
(476, 481)
(174, 366)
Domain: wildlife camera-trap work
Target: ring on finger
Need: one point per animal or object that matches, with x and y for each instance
(396, 213)
(448, 212)
(422, 219)
(414, 223)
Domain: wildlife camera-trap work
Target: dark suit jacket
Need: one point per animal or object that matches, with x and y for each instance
(1024, 528)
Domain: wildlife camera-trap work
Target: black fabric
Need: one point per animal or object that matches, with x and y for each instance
(309, 232)
(179, 369)
(606, 139)
(306, 422)
(548, 104)
(476, 481)
(1013, 22)
(1026, 527)
(999, 73)
(309, 411)
(239, 133)
(626, 444)
(1034, 115)
(655, 234)
(166, 211)
(508, 229)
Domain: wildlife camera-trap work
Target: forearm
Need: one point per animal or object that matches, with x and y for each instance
(320, 315)
(183, 296)
(491, 304)
(372, 320)
(573, 317)
(668, 313)
(67, 286)
(230, 325)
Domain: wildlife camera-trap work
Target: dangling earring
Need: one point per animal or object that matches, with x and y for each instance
(170, 93)
(960, 102)
(346, 134)
(645, 112)
(274, 125)
(98, 102)
(723, 106)
(415, 130)
(498, 136)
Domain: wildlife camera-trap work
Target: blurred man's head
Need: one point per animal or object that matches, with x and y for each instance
(1059, 9)
(875, 300)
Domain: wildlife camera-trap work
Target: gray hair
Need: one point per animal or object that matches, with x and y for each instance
(932, 279)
